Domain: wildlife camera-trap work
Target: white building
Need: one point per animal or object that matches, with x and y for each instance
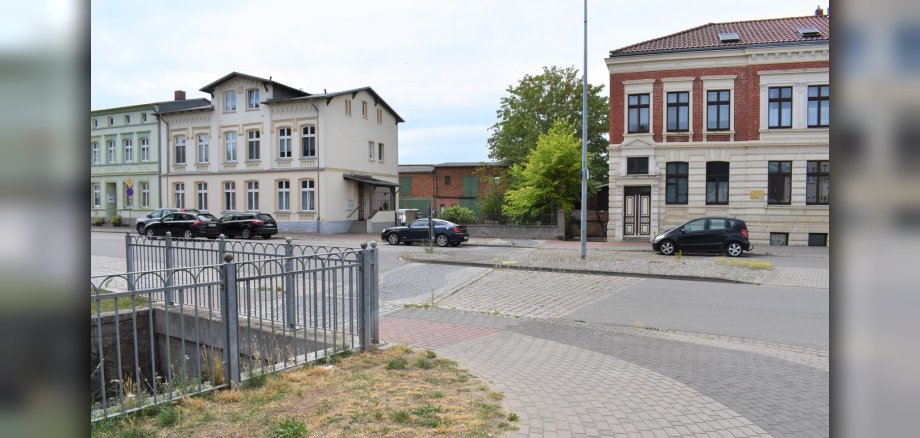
(317, 162)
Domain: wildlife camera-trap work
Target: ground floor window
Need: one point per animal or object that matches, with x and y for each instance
(717, 182)
(97, 195)
(817, 239)
(252, 195)
(145, 194)
(779, 239)
(180, 195)
(307, 195)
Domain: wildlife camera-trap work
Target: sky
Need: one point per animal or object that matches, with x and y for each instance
(442, 65)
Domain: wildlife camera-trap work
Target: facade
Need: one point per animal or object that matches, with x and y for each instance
(445, 185)
(124, 173)
(724, 119)
(317, 162)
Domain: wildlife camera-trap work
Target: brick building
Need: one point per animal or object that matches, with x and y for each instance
(445, 185)
(723, 119)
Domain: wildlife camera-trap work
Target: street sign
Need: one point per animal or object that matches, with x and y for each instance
(129, 182)
(129, 192)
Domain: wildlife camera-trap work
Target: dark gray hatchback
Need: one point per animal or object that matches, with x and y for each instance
(707, 234)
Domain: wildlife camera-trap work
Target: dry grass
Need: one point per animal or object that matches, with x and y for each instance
(395, 392)
(750, 264)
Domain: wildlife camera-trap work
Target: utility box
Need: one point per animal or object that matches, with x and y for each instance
(406, 215)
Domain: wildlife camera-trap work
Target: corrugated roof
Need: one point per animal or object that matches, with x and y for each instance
(750, 33)
(470, 164)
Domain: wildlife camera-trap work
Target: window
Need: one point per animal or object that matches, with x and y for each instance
(202, 148)
(817, 184)
(284, 143)
(145, 149)
(252, 195)
(202, 195)
(230, 146)
(405, 185)
(379, 116)
(718, 115)
(779, 182)
(253, 146)
(719, 224)
(819, 106)
(145, 194)
(284, 195)
(446, 180)
(180, 149)
(717, 182)
(817, 239)
(676, 173)
(95, 123)
(94, 146)
(348, 107)
(638, 113)
(308, 142)
(129, 150)
(143, 117)
(379, 151)
(364, 109)
(97, 195)
(779, 107)
(697, 225)
(679, 111)
(637, 165)
(229, 196)
(180, 195)
(252, 98)
(370, 150)
(307, 195)
(111, 121)
(779, 239)
(229, 101)
(111, 148)
(127, 118)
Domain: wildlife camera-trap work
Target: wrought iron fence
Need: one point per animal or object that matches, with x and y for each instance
(161, 334)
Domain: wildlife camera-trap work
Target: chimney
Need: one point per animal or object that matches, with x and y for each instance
(179, 95)
(819, 12)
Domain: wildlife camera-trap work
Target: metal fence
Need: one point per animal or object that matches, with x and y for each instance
(164, 333)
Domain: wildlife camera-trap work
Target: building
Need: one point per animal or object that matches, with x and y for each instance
(317, 162)
(723, 119)
(446, 184)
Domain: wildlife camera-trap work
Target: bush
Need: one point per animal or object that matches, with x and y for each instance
(116, 220)
(458, 214)
(99, 221)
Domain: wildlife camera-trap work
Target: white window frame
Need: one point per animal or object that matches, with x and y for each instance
(229, 196)
(230, 101)
(129, 150)
(96, 152)
(348, 107)
(202, 155)
(97, 195)
(253, 140)
(252, 196)
(179, 195)
(250, 105)
(364, 109)
(719, 83)
(179, 142)
(284, 195)
(370, 150)
(639, 86)
(284, 143)
(379, 116)
(308, 189)
(145, 149)
(675, 85)
(308, 137)
(145, 194)
(201, 195)
(230, 146)
(380, 150)
(112, 155)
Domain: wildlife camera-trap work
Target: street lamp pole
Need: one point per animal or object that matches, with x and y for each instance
(584, 146)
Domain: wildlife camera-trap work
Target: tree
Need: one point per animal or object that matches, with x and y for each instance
(550, 179)
(536, 102)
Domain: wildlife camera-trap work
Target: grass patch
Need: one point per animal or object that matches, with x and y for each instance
(359, 396)
(749, 264)
(108, 304)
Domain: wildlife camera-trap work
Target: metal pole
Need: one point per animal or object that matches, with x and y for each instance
(375, 296)
(289, 296)
(584, 147)
(170, 272)
(230, 315)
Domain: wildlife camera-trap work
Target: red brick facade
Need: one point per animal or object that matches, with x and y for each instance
(443, 186)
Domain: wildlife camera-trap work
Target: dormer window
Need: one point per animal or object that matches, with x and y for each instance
(809, 32)
(729, 37)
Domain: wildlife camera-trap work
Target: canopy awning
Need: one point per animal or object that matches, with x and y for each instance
(367, 179)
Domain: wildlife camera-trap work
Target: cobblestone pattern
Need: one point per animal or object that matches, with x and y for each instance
(102, 265)
(561, 390)
(428, 334)
(798, 277)
(415, 282)
(533, 294)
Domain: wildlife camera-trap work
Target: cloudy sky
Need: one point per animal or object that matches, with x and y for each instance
(442, 65)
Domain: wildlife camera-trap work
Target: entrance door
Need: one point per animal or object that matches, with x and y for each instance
(637, 211)
(360, 201)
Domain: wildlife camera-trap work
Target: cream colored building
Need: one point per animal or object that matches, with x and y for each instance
(726, 119)
(317, 162)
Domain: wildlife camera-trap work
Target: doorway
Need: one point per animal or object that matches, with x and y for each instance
(637, 211)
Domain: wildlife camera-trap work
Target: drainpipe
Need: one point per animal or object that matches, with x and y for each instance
(159, 117)
(316, 182)
(434, 178)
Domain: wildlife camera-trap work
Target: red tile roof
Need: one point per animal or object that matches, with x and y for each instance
(755, 32)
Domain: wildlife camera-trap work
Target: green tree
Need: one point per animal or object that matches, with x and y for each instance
(458, 215)
(550, 179)
(536, 102)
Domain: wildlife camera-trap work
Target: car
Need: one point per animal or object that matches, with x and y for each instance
(157, 214)
(248, 224)
(716, 234)
(445, 233)
(184, 224)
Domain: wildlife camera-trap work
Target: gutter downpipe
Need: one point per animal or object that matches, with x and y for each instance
(160, 165)
(316, 183)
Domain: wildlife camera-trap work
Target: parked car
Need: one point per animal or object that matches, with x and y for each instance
(248, 224)
(157, 214)
(184, 224)
(445, 233)
(720, 234)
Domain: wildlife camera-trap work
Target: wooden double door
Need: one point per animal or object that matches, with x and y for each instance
(637, 211)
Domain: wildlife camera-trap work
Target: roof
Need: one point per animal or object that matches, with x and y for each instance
(171, 106)
(330, 96)
(415, 168)
(286, 90)
(751, 33)
(367, 179)
(471, 164)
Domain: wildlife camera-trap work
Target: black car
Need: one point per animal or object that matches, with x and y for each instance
(445, 233)
(157, 215)
(718, 234)
(187, 225)
(248, 224)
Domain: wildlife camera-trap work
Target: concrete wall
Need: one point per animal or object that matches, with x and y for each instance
(124, 325)
(543, 232)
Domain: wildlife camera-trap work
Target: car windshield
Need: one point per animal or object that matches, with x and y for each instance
(207, 217)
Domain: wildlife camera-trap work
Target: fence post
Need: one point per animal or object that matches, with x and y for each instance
(129, 258)
(290, 296)
(230, 315)
(364, 297)
(169, 269)
(374, 296)
(221, 247)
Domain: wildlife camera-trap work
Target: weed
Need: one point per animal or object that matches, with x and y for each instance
(229, 396)
(254, 381)
(637, 324)
(168, 416)
(436, 394)
(749, 264)
(513, 417)
(496, 396)
(396, 364)
(401, 416)
(288, 428)
(426, 410)
(430, 354)
(424, 363)
(679, 256)
(378, 415)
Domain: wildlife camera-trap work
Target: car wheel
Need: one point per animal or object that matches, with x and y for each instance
(666, 247)
(734, 249)
(393, 239)
(441, 240)
(149, 232)
(140, 228)
(246, 233)
(188, 234)
(266, 236)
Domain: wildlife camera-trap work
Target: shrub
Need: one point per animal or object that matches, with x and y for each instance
(458, 214)
(116, 220)
(99, 221)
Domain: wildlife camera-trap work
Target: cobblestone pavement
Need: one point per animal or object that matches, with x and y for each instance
(798, 277)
